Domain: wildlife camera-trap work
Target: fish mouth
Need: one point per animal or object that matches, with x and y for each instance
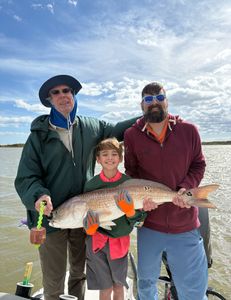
(50, 217)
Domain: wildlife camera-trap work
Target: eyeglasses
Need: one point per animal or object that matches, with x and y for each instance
(149, 99)
(57, 92)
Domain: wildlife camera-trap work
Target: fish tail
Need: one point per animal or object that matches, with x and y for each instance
(203, 191)
(201, 203)
(200, 194)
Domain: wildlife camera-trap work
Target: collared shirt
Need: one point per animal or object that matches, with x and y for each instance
(117, 177)
(159, 137)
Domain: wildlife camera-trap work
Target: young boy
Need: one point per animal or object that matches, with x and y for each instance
(106, 250)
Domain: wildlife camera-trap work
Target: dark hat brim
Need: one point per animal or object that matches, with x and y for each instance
(68, 80)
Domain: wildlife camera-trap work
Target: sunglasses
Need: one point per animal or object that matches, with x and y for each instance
(149, 99)
(57, 92)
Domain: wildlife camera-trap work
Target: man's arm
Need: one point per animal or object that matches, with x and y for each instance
(118, 129)
(197, 166)
(28, 183)
(130, 159)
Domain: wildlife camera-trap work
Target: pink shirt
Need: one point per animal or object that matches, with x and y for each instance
(118, 246)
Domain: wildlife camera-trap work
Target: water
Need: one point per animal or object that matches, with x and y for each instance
(16, 249)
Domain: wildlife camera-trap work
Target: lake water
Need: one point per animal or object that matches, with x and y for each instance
(16, 249)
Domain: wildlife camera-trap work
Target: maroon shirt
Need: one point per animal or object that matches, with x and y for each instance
(177, 162)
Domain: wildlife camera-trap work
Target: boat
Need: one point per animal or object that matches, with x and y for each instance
(90, 294)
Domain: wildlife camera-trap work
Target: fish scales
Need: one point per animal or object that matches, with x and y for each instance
(71, 213)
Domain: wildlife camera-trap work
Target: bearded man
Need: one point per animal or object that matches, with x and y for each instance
(163, 148)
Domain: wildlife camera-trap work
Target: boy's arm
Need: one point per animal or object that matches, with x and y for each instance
(138, 219)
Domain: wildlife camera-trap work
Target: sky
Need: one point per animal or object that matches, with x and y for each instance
(114, 48)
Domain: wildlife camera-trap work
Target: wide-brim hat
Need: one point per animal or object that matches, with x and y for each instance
(68, 80)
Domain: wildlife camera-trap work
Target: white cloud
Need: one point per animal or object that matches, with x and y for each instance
(14, 121)
(13, 133)
(92, 89)
(50, 7)
(115, 51)
(36, 108)
(72, 2)
(225, 69)
(17, 18)
(224, 55)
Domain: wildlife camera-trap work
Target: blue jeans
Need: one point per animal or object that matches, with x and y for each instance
(186, 258)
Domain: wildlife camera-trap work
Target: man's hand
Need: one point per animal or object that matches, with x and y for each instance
(48, 208)
(91, 222)
(179, 201)
(149, 204)
(125, 203)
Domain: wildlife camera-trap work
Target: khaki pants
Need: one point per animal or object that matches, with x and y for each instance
(53, 257)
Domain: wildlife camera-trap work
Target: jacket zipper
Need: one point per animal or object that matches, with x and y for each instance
(70, 140)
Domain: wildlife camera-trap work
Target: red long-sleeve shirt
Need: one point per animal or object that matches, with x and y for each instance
(177, 162)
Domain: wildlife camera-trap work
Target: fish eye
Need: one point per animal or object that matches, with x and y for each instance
(189, 194)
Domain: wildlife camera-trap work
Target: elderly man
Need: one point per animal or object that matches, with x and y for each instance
(56, 161)
(163, 148)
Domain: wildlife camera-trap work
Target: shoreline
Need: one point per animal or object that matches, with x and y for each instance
(203, 143)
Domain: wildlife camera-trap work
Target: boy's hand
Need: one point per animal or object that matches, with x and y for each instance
(91, 222)
(125, 203)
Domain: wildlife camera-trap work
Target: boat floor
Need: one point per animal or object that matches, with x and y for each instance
(90, 294)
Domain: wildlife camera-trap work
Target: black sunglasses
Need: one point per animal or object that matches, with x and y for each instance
(64, 91)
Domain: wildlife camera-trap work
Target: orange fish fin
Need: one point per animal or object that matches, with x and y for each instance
(200, 194)
(203, 191)
(201, 203)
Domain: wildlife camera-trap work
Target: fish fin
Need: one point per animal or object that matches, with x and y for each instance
(107, 225)
(199, 195)
(203, 191)
(201, 203)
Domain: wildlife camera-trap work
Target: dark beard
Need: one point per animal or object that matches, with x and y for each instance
(156, 116)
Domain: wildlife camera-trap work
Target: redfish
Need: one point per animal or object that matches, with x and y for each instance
(71, 213)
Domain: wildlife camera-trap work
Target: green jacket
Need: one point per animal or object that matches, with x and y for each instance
(124, 225)
(47, 167)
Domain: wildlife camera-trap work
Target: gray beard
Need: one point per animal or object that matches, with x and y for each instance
(155, 116)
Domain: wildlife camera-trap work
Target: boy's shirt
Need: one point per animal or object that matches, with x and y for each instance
(124, 225)
(118, 236)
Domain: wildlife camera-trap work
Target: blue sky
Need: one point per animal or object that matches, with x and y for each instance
(114, 48)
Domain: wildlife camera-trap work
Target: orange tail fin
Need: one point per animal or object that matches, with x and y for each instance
(200, 195)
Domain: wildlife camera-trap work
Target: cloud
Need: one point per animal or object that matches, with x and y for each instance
(36, 108)
(17, 18)
(72, 2)
(50, 7)
(96, 89)
(14, 121)
(13, 133)
(114, 50)
(224, 55)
